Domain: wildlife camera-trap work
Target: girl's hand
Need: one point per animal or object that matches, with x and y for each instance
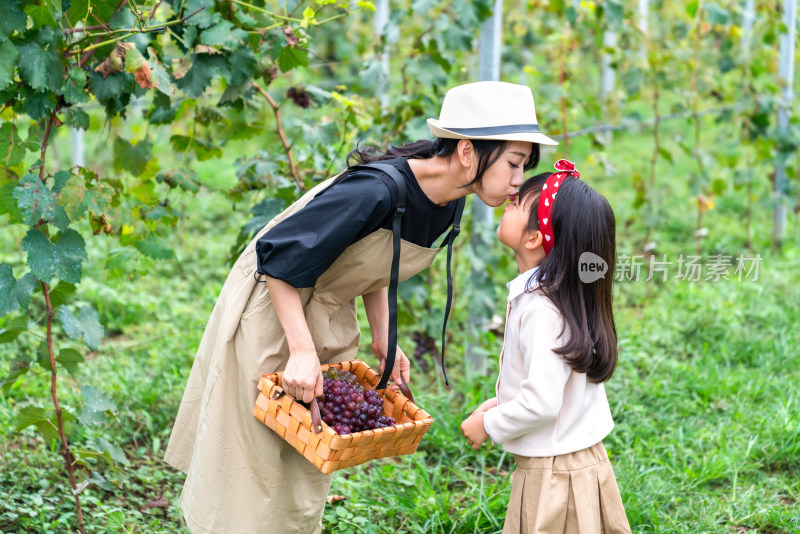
(486, 405)
(402, 367)
(302, 378)
(474, 431)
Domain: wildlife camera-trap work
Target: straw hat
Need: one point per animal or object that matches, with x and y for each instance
(489, 110)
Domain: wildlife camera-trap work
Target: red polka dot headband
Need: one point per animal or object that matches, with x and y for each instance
(548, 198)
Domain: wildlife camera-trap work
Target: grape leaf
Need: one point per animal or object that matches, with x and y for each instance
(239, 66)
(61, 293)
(12, 18)
(77, 118)
(109, 452)
(8, 60)
(36, 202)
(41, 68)
(13, 329)
(14, 293)
(186, 179)
(132, 158)
(44, 13)
(62, 259)
(223, 34)
(70, 359)
(113, 91)
(12, 149)
(86, 325)
(151, 246)
(32, 415)
(19, 366)
(204, 150)
(37, 105)
(74, 85)
(264, 212)
(202, 19)
(145, 192)
(199, 76)
(101, 11)
(291, 58)
(161, 77)
(96, 404)
(77, 197)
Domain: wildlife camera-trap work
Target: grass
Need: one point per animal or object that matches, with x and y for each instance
(705, 397)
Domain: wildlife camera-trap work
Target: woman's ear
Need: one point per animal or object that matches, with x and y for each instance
(466, 152)
(533, 240)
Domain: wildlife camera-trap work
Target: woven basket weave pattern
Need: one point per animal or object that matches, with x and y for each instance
(329, 451)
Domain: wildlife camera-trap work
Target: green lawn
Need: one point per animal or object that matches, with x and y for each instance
(705, 398)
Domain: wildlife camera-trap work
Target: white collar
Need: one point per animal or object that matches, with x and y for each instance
(516, 287)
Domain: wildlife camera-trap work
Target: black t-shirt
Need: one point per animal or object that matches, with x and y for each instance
(302, 247)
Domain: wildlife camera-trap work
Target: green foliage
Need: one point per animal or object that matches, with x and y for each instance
(78, 196)
(14, 293)
(63, 258)
(84, 326)
(37, 202)
(191, 66)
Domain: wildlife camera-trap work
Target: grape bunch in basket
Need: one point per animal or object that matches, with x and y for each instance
(347, 407)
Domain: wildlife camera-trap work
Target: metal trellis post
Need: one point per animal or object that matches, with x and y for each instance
(489, 44)
(381, 18)
(786, 74)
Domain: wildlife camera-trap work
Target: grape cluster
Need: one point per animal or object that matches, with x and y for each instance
(424, 344)
(348, 407)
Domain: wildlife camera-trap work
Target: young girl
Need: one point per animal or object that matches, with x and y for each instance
(560, 345)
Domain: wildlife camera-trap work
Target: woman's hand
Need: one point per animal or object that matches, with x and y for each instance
(401, 368)
(474, 431)
(302, 378)
(376, 304)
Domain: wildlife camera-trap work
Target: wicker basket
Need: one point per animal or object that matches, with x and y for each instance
(328, 450)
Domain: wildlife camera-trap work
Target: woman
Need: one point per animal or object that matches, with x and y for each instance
(329, 247)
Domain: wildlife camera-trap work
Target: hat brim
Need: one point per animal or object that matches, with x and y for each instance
(530, 137)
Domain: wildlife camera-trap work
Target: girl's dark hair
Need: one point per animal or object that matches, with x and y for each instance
(488, 152)
(583, 221)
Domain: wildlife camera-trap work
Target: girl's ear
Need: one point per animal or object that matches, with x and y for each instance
(466, 152)
(533, 240)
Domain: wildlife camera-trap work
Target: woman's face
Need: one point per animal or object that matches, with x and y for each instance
(503, 179)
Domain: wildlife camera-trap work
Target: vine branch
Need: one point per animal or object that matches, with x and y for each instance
(90, 53)
(286, 146)
(46, 138)
(68, 458)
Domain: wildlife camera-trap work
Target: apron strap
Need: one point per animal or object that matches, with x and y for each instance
(450, 238)
(395, 272)
(400, 209)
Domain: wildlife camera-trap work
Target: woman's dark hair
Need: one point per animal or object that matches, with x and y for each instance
(488, 152)
(583, 221)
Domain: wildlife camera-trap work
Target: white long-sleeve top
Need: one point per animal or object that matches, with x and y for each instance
(544, 408)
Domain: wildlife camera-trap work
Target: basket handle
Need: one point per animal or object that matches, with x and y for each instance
(404, 389)
(316, 417)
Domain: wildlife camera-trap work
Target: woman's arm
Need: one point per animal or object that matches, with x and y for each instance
(376, 305)
(302, 378)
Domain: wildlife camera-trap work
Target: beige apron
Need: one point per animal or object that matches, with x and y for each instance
(240, 476)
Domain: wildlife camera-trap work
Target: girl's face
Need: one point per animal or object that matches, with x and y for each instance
(512, 231)
(503, 179)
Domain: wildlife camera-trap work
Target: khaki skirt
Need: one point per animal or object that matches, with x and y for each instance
(565, 494)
